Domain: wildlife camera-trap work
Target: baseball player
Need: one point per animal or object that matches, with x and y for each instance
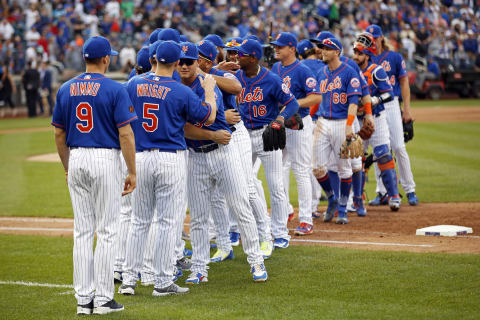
(164, 105)
(307, 51)
(218, 42)
(298, 149)
(365, 102)
(341, 89)
(381, 92)
(230, 85)
(393, 64)
(92, 120)
(211, 166)
(261, 95)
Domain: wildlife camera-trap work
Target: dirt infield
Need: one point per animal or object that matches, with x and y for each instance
(457, 114)
(380, 230)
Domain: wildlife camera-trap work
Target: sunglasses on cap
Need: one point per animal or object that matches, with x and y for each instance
(241, 54)
(330, 43)
(188, 62)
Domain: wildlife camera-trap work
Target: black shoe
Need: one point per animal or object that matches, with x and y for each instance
(85, 308)
(109, 307)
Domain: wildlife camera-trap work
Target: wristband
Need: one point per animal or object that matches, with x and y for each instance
(350, 119)
(368, 108)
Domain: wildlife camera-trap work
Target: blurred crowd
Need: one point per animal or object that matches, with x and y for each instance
(39, 30)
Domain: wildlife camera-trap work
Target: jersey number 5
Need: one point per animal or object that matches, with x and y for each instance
(85, 115)
(149, 115)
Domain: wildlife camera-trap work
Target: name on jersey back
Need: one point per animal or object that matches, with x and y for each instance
(84, 88)
(152, 90)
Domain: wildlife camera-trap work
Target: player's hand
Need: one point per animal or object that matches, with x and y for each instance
(232, 116)
(221, 136)
(348, 132)
(130, 184)
(208, 83)
(369, 118)
(228, 66)
(406, 117)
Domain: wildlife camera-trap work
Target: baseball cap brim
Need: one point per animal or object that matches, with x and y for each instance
(113, 53)
(231, 48)
(185, 56)
(239, 49)
(278, 43)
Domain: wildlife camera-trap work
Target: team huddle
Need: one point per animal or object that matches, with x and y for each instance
(190, 129)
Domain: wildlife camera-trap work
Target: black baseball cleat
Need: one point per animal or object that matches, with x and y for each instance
(85, 308)
(109, 307)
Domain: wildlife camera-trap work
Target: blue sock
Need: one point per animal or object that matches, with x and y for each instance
(326, 186)
(335, 183)
(345, 186)
(389, 178)
(357, 183)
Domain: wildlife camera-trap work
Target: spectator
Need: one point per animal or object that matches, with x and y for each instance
(31, 83)
(7, 89)
(46, 81)
(127, 56)
(6, 29)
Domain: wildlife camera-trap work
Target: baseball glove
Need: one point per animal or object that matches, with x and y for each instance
(367, 163)
(352, 148)
(274, 136)
(408, 131)
(294, 123)
(366, 130)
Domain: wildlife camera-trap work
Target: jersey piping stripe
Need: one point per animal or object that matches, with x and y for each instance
(331, 96)
(251, 86)
(126, 122)
(57, 125)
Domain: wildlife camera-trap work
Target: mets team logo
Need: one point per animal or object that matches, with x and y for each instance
(386, 66)
(370, 29)
(200, 43)
(285, 88)
(244, 41)
(287, 81)
(311, 82)
(185, 49)
(355, 83)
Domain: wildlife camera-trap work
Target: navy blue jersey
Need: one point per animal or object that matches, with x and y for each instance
(164, 105)
(340, 88)
(220, 122)
(377, 83)
(393, 64)
(314, 64)
(229, 101)
(299, 79)
(363, 81)
(91, 108)
(261, 96)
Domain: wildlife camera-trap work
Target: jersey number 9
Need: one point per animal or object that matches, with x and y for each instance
(85, 115)
(149, 115)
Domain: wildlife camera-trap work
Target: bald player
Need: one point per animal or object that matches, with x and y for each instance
(92, 120)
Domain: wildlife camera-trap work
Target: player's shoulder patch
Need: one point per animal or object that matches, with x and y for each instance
(228, 75)
(311, 82)
(285, 88)
(355, 83)
(403, 65)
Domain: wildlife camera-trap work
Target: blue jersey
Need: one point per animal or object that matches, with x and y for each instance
(220, 122)
(377, 83)
(91, 108)
(260, 98)
(314, 64)
(299, 79)
(229, 101)
(393, 64)
(339, 88)
(164, 106)
(363, 81)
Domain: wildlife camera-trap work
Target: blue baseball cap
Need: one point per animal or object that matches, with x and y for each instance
(168, 52)
(207, 49)
(142, 59)
(233, 43)
(188, 51)
(152, 49)
(97, 47)
(252, 48)
(322, 35)
(374, 30)
(215, 39)
(285, 39)
(154, 35)
(332, 43)
(254, 37)
(169, 34)
(303, 46)
(183, 38)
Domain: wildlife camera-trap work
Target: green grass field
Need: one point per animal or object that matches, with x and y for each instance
(305, 282)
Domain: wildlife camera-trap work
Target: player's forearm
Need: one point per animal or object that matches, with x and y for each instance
(127, 143)
(230, 85)
(62, 148)
(210, 99)
(309, 100)
(195, 133)
(405, 90)
(290, 108)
